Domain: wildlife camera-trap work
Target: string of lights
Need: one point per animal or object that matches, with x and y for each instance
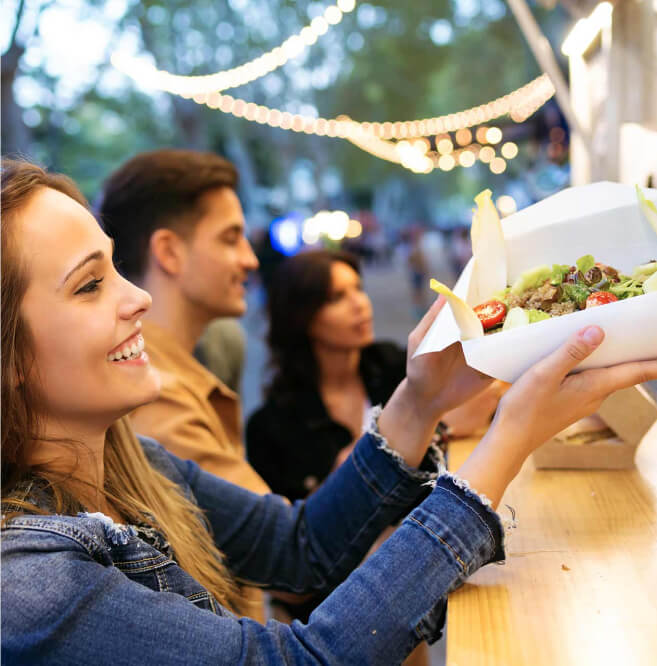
(405, 142)
(419, 157)
(519, 104)
(188, 86)
(402, 142)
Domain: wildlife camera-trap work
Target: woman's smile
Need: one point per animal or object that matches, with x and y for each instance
(130, 350)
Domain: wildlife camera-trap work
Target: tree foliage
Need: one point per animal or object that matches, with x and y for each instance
(385, 61)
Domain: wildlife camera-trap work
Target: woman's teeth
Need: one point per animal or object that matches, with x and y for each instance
(128, 352)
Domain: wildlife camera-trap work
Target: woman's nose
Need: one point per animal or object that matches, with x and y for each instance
(134, 302)
(362, 301)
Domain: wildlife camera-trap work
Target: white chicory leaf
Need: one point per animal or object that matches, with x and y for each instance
(648, 208)
(489, 273)
(650, 284)
(465, 317)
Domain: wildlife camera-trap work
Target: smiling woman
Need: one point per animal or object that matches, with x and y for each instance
(109, 536)
(65, 309)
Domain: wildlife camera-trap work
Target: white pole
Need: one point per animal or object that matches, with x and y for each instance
(544, 55)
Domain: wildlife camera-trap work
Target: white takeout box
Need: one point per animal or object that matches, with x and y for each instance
(602, 219)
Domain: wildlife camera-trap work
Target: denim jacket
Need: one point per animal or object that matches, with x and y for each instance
(84, 590)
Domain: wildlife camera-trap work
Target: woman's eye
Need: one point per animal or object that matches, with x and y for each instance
(90, 287)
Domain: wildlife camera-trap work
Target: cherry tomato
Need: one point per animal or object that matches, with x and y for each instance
(491, 313)
(600, 298)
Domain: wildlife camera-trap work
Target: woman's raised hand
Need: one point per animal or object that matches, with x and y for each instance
(442, 380)
(544, 401)
(434, 384)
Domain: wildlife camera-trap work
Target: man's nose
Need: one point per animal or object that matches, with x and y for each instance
(249, 259)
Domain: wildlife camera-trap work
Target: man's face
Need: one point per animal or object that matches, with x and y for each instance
(218, 257)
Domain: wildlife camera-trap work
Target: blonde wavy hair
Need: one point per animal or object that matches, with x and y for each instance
(132, 486)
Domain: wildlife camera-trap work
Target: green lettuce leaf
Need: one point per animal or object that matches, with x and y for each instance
(585, 263)
(537, 315)
(626, 288)
(559, 272)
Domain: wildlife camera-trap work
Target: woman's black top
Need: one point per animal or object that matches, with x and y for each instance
(293, 442)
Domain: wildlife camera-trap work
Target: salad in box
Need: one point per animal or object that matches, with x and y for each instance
(587, 255)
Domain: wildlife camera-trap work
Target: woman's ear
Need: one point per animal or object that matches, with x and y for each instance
(167, 250)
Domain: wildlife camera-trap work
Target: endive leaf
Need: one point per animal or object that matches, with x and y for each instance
(648, 208)
(465, 316)
(489, 273)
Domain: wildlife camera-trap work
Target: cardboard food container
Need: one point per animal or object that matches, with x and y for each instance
(608, 439)
(602, 219)
(605, 220)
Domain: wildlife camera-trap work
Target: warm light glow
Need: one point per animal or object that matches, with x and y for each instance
(463, 137)
(481, 134)
(587, 29)
(310, 233)
(509, 150)
(422, 146)
(497, 165)
(466, 158)
(519, 104)
(445, 146)
(191, 86)
(319, 25)
(446, 163)
(335, 225)
(401, 142)
(506, 205)
(486, 154)
(346, 5)
(333, 15)
(354, 229)
(493, 135)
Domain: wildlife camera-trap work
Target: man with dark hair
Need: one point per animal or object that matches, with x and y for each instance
(178, 229)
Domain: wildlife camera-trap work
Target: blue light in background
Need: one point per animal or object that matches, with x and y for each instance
(285, 234)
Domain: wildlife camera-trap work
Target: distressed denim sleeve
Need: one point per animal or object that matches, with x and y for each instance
(62, 606)
(313, 545)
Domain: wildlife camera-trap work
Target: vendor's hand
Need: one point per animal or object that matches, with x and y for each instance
(441, 380)
(546, 399)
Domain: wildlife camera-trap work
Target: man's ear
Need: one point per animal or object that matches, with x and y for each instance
(167, 250)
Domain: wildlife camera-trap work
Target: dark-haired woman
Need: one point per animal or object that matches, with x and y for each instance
(328, 372)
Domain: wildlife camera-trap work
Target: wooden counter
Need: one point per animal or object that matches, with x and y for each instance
(579, 587)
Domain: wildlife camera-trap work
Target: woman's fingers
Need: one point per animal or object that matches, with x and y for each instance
(618, 377)
(570, 354)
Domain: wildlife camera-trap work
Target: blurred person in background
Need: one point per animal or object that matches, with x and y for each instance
(418, 273)
(460, 248)
(436, 254)
(327, 372)
(222, 350)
